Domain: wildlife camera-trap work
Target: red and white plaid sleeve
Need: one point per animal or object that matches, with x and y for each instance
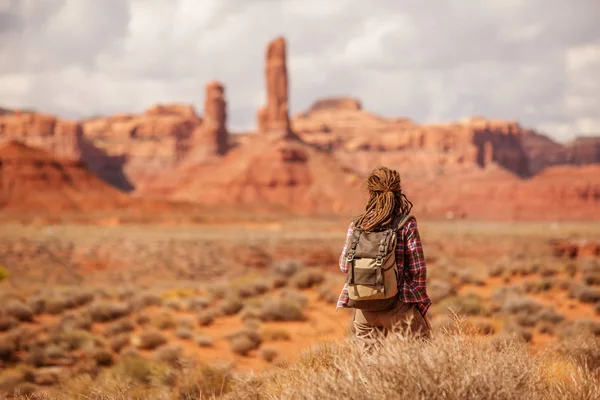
(415, 276)
(343, 298)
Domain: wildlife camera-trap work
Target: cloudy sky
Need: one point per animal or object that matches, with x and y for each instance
(536, 61)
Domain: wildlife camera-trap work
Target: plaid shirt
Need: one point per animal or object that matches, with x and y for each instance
(409, 253)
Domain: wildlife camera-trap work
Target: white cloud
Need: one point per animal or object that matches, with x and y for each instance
(536, 61)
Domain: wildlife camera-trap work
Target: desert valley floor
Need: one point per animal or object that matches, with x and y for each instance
(82, 299)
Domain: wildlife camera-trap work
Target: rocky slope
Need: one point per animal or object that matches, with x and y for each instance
(34, 180)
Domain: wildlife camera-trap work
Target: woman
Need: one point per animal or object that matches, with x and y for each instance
(386, 205)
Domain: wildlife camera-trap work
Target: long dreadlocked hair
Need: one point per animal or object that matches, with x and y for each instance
(386, 200)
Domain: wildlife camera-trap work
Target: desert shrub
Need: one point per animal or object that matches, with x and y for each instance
(54, 304)
(496, 269)
(282, 310)
(118, 342)
(592, 278)
(218, 290)
(104, 311)
(287, 268)
(126, 293)
(10, 380)
(147, 299)
(294, 296)
(196, 304)
(469, 304)
(163, 320)
(204, 341)
(205, 318)
(268, 354)
(470, 277)
(102, 357)
(439, 290)
(78, 297)
(546, 328)
(274, 335)
(242, 345)
(142, 318)
(251, 313)
(78, 339)
(521, 304)
(252, 323)
(478, 326)
(244, 341)
(150, 339)
(4, 274)
(584, 348)
(548, 270)
(169, 353)
(307, 278)
(174, 304)
(19, 310)
(7, 322)
(74, 320)
(183, 332)
(550, 315)
(8, 347)
(118, 327)
(449, 366)
(232, 305)
(570, 269)
(590, 272)
(138, 370)
(185, 321)
(537, 286)
(27, 390)
(279, 282)
(250, 286)
(585, 294)
(329, 292)
(212, 381)
(579, 327)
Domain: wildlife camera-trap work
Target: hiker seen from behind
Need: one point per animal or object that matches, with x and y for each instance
(385, 266)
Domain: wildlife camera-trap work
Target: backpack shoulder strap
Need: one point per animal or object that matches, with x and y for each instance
(403, 220)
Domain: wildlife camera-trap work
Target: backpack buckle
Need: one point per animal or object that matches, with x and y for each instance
(378, 261)
(350, 257)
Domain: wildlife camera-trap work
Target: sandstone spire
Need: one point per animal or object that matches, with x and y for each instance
(274, 116)
(215, 116)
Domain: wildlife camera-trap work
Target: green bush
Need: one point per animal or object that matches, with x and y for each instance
(4, 274)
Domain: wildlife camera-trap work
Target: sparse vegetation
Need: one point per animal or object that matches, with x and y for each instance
(205, 318)
(232, 305)
(268, 354)
(4, 274)
(274, 335)
(307, 278)
(104, 311)
(80, 354)
(19, 310)
(282, 310)
(150, 339)
(204, 341)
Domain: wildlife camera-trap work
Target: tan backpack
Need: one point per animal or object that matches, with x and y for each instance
(373, 276)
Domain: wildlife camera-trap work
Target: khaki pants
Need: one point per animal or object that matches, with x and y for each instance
(371, 326)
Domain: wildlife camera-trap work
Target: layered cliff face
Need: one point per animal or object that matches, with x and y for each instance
(65, 140)
(543, 152)
(151, 142)
(35, 180)
(357, 135)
